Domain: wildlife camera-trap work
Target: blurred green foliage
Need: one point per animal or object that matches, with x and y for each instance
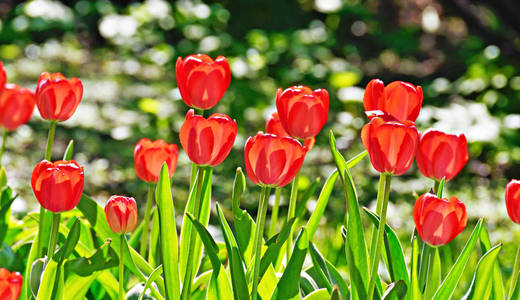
(466, 56)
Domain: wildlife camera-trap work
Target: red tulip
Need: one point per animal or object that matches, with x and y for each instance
(391, 145)
(149, 157)
(202, 81)
(438, 221)
(274, 126)
(441, 155)
(58, 97)
(10, 284)
(207, 141)
(400, 99)
(513, 200)
(3, 76)
(272, 160)
(16, 106)
(121, 213)
(58, 185)
(302, 111)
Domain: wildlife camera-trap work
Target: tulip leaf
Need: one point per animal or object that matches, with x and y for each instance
(319, 209)
(328, 272)
(45, 291)
(449, 284)
(498, 284)
(396, 263)
(434, 277)
(308, 281)
(356, 159)
(153, 255)
(268, 283)
(155, 274)
(76, 287)
(336, 294)
(168, 234)
(415, 293)
(481, 284)
(219, 285)
(238, 277)
(441, 188)
(274, 245)
(99, 260)
(70, 243)
(69, 151)
(395, 290)
(355, 246)
(186, 228)
(243, 223)
(318, 295)
(288, 287)
(95, 214)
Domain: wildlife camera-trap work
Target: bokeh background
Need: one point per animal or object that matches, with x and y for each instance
(465, 54)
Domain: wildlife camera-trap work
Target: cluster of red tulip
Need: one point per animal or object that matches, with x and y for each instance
(272, 159)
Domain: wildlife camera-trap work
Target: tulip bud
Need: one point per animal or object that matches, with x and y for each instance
(513, 200)
(302, 111)
(57, 97)
(16, 106)
(202, 81)
(441, 155)
(121, 213)
(272, 160)
(438, 221)
(391, 145)
(274, 126)
(58, 185)
(10, 284)
(149, 157)
(207, 142)
(400, 99)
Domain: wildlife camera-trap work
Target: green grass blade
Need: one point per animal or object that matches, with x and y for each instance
(396, 263)
(450, 282)
(323, 200)
(498, 283)
(481, 284)
(238, 277)
(168, 233)
(288, 287)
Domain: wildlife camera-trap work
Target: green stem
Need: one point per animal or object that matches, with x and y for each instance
(380, 194)
(122, 267)
(4, 142)
(146, 221)
(436, 186)
(380, 233)
(516, 271)
(43, 212)
(290, 214)
(259, 232)
(50, 140)
(424, 265)
(274, 214)
(188, 275)
(54, 235)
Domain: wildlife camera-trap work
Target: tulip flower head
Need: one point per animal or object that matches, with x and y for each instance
(10, 284)
(202, 81)
(3, 76)
(273, 160)
(57, 97)
(513, 200)
(274, 126)
(302, 111)
(121, 213)
(207, 142)
(16, 106)
(441, 155)
(149, 157)
(438, 221)
(58, 185)
(391, 145)
(400, 99)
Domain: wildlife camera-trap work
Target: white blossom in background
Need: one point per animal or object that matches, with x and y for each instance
(49, 10)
